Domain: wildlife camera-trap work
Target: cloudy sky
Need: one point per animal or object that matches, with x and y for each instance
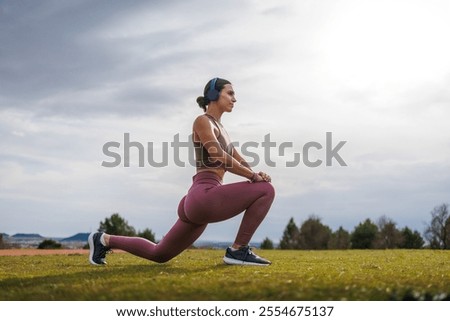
(75, 75)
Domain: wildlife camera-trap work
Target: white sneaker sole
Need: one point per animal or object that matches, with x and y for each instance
(91, 249)
(230, 261)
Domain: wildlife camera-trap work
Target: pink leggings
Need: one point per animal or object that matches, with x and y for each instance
(208, 201)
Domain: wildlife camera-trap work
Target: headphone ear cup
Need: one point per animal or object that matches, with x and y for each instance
(213, 94)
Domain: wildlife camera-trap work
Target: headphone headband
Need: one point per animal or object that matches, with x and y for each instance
(213, 94)
(213, 84)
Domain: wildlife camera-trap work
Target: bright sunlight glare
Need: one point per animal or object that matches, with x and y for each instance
(384, 43)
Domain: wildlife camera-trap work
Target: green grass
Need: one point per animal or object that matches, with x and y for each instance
(201, 275)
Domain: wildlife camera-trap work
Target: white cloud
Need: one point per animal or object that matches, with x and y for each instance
(73, 78)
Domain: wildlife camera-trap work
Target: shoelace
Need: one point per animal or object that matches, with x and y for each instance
(103, 251)
(248, 251)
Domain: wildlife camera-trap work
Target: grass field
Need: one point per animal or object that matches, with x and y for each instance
(201, 275)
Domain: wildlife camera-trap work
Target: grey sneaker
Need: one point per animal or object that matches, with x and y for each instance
(244, 256)
(97, 251)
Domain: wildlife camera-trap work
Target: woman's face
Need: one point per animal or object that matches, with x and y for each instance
(227, 98)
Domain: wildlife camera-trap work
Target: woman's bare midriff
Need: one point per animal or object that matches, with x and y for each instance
(220, 171)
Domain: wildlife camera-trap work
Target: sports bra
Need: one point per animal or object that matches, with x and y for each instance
(202, 157)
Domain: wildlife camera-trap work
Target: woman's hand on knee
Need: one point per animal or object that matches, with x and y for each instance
(261, 177)
(265, 177)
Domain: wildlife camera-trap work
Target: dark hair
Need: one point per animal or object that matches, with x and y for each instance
(203, 101)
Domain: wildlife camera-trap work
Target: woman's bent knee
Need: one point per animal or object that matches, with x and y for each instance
(269, 190)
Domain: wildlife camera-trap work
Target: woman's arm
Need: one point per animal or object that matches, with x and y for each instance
(240, 159)
(243, 162)
(205, 132)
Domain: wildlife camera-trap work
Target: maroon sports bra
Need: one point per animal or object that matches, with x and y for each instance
(202, 157)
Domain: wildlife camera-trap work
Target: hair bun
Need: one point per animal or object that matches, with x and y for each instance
(202, 102)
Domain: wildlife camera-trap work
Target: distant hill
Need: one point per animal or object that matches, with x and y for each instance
(80, 237)
(24, 235)
(4, 234)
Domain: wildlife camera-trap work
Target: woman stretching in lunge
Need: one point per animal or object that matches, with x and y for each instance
(207, 201)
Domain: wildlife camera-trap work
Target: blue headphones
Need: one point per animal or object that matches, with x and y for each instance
(213, 94)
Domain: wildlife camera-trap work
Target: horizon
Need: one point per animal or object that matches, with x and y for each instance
(212, 240)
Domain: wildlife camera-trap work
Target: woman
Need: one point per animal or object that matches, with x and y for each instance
(208, 200)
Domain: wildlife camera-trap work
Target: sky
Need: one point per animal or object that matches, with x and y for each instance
(76, 75)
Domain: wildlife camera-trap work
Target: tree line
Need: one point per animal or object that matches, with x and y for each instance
(312, 234)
